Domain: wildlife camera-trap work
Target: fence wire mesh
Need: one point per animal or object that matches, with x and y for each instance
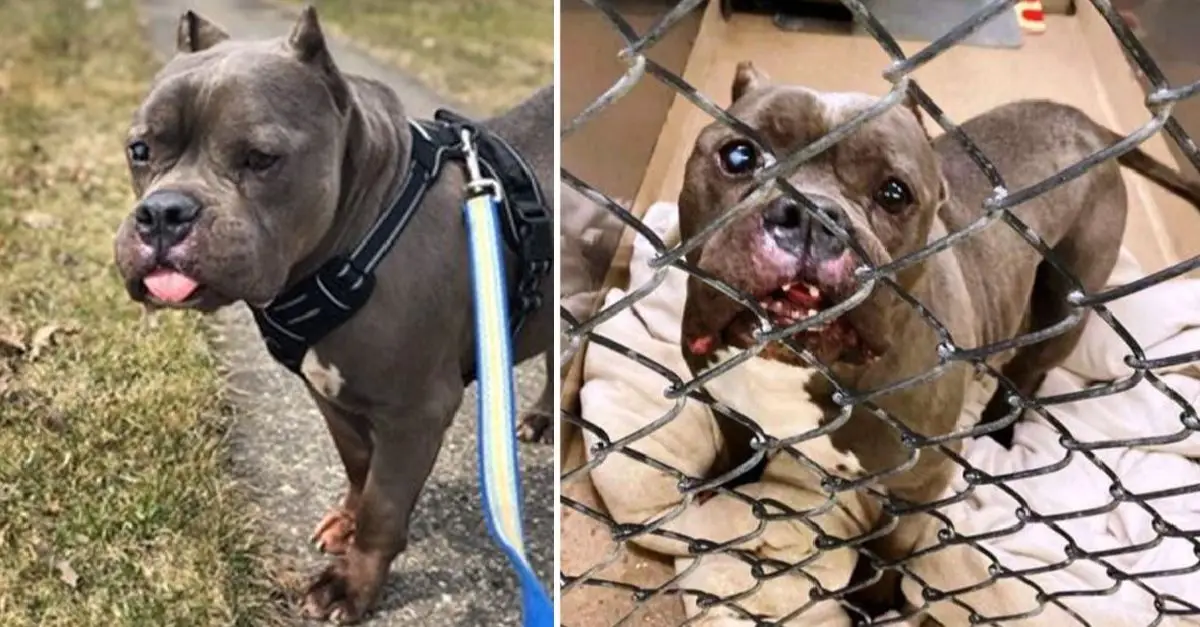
(813, 593)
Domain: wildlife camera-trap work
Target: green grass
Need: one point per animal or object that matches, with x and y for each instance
(486, 54)
(116, 506)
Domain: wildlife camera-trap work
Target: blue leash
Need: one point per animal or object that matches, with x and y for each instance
(498, 470)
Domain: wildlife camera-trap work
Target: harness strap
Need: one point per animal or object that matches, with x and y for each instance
(321, 302)
(528, 229)
(425, 165)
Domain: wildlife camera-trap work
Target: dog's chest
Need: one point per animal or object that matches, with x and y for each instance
(774, 396)
(323, 377)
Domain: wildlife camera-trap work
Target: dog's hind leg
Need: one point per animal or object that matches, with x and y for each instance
(406, 443)
(537, 423)
(351, 438)
(1089, 252)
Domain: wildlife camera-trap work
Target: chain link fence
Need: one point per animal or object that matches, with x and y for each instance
(812, 591)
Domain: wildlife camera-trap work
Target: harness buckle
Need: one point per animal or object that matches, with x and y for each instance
(477, 183)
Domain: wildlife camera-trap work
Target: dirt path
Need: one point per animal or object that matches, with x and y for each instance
(451, 573)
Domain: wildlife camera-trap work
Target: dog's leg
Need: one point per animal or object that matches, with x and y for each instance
(1089, 251)
(935, 469)
(351, 437)
(407, 443)
(1027, 369)
(537, 422)
(925, 482)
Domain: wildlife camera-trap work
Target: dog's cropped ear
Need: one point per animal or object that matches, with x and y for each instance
(306, 40)
(308, 45)
(747, 79)
(195, 33)
(910, 102)
(943, 190)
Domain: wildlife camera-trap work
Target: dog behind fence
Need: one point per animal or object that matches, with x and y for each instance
(766, 548)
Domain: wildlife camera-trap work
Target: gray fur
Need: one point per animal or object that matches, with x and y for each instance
(987, 288)
(389, 381)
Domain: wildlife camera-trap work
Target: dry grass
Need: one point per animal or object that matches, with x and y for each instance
(486, 54)
(115, 503)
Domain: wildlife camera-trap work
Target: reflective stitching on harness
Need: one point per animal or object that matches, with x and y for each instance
(280, 328)
(292, 303)
(413, 126)
(304, 316)
(391, 239)
(331, 297)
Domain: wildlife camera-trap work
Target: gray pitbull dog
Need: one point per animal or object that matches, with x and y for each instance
(256, 161)
(894, 190)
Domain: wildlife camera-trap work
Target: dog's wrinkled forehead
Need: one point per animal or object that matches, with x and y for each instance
(788, 118)
(791, 116)
(249, 87)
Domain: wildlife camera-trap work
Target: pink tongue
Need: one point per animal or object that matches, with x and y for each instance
(798, 294)
(170, 286)
(701, 345)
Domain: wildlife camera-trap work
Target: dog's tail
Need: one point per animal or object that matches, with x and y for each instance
(1159, 172)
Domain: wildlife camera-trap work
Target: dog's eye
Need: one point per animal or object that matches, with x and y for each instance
(139, 152)
(738, 157)
(893, 195)
(257, 160)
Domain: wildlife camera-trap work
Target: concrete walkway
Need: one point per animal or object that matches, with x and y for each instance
(451, 573)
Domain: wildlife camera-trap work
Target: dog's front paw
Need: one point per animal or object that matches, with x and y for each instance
(341, 594)
(335, 532)
(535, 426)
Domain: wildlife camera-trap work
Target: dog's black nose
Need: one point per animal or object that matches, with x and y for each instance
(795, 230)
(165, 217)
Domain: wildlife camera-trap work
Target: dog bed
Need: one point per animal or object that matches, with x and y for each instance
(622, 398)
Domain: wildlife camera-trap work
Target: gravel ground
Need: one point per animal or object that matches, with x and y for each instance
(451, 573)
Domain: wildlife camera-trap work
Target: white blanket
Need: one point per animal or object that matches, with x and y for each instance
(622, 397)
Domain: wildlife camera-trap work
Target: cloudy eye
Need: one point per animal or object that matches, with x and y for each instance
(139, 152)
(738, 157)
(893, 195)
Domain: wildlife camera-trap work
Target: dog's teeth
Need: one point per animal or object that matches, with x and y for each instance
(813, 291)
(811, 312)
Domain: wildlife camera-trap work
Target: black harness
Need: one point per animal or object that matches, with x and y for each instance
(321, 302)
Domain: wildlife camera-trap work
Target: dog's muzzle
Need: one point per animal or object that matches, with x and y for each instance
(797, 231)
(164, 218)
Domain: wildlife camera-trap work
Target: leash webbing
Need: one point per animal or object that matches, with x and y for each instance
(498, 469)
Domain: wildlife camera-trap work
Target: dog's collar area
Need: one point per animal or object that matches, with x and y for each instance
(321, 302)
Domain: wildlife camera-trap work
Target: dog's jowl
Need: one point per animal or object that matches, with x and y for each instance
(266, 175)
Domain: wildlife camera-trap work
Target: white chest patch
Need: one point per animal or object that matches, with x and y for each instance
(326, 380)
(773, 395)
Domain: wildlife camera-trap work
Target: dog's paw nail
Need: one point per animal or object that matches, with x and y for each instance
(344, 615)
(535, 427)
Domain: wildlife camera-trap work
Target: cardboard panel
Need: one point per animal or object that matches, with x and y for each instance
(628, 128)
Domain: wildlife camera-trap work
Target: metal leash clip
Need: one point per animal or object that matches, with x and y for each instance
(477, 183)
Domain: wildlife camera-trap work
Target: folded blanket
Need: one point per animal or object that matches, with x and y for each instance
(625, 399)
